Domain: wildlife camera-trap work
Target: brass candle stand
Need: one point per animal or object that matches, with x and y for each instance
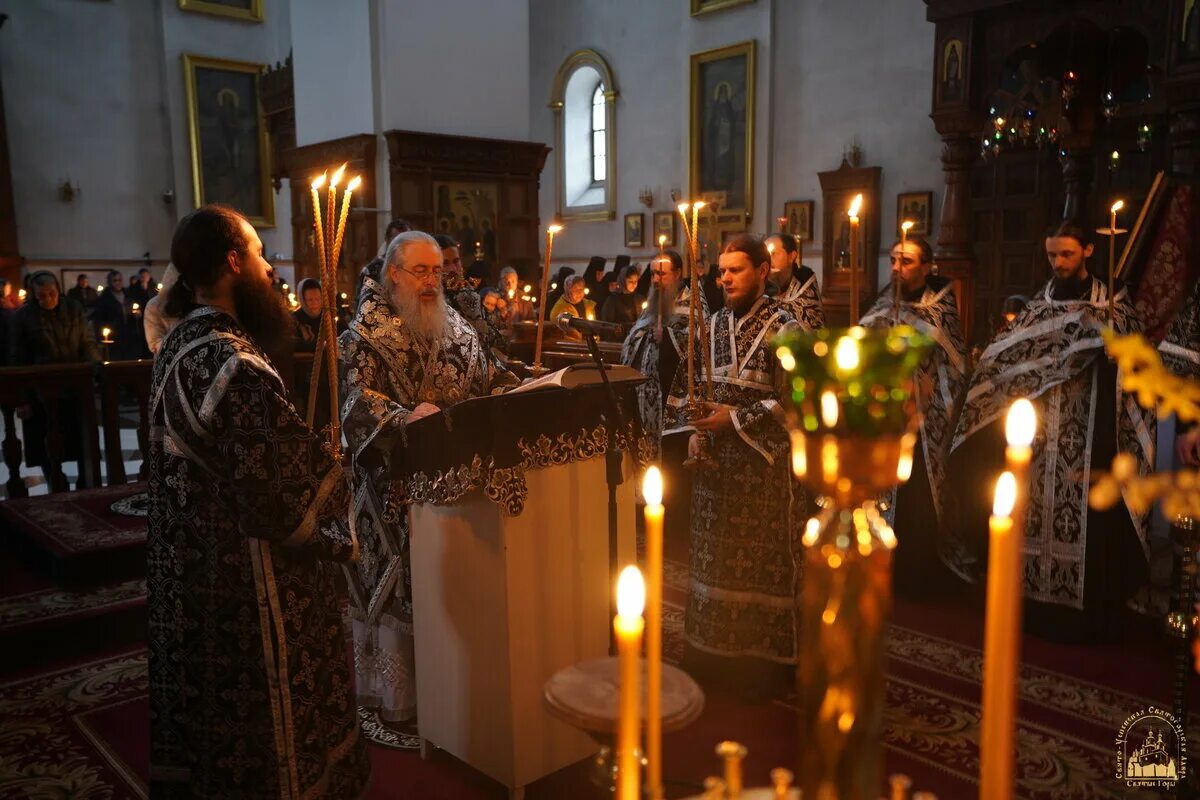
(851, 409)
(730, 785)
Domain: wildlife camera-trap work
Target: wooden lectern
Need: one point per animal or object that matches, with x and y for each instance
(502, 600)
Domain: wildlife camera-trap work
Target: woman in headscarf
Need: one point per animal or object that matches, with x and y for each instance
(625, 305)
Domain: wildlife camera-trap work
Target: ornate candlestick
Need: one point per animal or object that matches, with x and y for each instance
(853, 417)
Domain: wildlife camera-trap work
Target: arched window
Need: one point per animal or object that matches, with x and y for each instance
(599, 123)
(584, 103)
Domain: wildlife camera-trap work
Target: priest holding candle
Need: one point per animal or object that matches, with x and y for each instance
(1081, 565)
(740, 620)
(925, 301)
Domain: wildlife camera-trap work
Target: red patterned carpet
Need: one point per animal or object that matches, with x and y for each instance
(81, 730)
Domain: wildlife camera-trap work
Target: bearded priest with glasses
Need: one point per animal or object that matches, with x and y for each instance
(406, 355)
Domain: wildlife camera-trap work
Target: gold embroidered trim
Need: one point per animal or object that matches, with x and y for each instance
(505, 486)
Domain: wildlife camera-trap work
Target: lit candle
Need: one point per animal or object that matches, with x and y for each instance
(136, 308)
(705, 351)
(1112, 255)
(160, 287)
(662, 240)
(552, 229)
(692, 294)
(1000, 645)
(331, 214)
(104, 334)
(21, 293)
(341, 228)
(905, 227)
(319, 241)
(1019, 428)
(853, 213)
(652, 492)
(284, 286)
(628, 626)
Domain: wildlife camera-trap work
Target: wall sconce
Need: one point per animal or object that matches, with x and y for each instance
(646, 195)
(67, 192)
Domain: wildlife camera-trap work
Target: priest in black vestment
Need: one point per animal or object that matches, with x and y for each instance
(1080, 565)
(927, 303)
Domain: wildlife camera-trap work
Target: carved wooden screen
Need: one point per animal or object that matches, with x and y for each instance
(483, 192)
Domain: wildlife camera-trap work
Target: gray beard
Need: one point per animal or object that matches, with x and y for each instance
(428, 322)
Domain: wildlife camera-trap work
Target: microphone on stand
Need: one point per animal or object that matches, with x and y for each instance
(568, 322)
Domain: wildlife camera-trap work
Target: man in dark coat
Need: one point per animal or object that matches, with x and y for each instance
(50, 329)
(114, 310)
(82, 293)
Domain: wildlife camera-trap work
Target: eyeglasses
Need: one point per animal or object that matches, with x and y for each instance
(421, 271)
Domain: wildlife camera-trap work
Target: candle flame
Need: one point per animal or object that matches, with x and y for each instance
(136, 306)
(319, 181)
(845, 353)
(683, 207)
(285, 287)
(812, 529)
(354, 183)
(699, 204)
(528, 288)
(662, 239)
(21, 293)
(343, 295)
(799, 455)
(652, 487)
(105, 332)
(1006, 495)
(1117, 206)
(907, 225)
(829, 409)
(1020, 424)
(160, 287)
(786, 359)
(631, 592)
(337, 176)
(770, 247)
(855, 205)
(553, 228)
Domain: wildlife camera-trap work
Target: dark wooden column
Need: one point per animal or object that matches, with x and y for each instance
(954, 251)
(10, 254)
(1183, 94)
(1078, 171)
(954, 95)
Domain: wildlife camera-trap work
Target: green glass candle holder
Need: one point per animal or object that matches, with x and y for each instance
(852, 413)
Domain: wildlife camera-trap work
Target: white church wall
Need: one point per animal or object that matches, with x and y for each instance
(94, 94)
(878, 55)
(801, 127)
(332, 63)
(456, 66)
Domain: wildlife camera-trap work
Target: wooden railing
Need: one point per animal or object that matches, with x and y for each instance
(81, 385)
(72, 393)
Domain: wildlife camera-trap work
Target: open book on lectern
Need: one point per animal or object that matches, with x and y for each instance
(585, 373)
